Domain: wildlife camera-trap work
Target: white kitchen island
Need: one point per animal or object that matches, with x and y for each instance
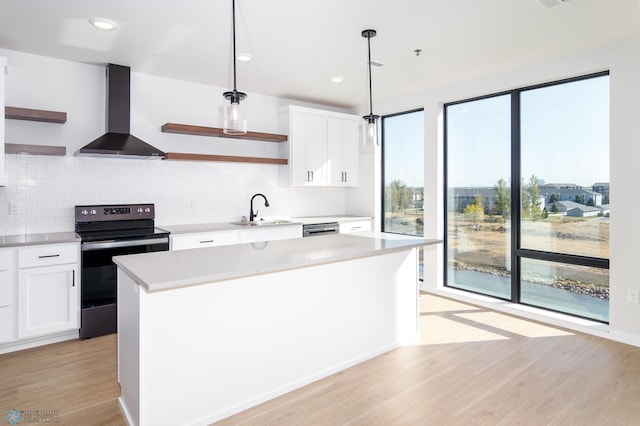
(206, 333)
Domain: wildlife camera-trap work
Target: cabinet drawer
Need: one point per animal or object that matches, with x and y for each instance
(210, 239)
(6, 260)
(46, 255)
(357, 226)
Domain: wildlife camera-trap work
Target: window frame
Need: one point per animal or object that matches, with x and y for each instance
(517, 252)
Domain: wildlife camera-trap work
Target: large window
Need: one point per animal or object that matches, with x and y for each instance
(527, 203)
(403, 175)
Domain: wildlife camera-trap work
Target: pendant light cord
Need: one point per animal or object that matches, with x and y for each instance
(233, 14)
(370, 86)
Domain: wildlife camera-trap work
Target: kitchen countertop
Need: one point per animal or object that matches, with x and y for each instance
(36, 239)
(175, 269)
(222, 226)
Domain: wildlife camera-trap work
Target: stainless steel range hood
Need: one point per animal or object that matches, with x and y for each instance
(118, 141)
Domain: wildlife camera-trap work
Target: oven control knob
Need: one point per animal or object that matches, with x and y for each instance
(93, 211)
(139, 209)
(84, 212)
(147, 210)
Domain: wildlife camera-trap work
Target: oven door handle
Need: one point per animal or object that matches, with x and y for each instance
(100, 245)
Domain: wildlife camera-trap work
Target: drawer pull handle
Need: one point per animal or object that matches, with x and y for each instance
(48, 255)
(206, 241)
(73, 279)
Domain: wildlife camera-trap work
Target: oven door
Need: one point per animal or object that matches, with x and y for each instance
(99, 271)
(99, 285)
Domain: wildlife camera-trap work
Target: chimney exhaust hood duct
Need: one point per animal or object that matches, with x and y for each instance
(118, 141)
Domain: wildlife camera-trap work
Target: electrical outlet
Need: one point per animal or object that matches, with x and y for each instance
(13, 208)
(632, 296)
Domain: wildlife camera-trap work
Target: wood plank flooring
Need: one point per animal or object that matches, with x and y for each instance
(472, 366)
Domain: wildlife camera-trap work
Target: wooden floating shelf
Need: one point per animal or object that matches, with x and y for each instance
(186, 129)
(224, 158)
(14, 148)
(35, 115)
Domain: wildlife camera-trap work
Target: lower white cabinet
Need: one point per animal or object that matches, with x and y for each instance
(271, 233)
(48, 289)
(355, 226)
(39, 294)
(47, 299)
(7, 296)
(225, 238)
(204, 239)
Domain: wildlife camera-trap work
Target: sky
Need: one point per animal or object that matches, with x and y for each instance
(564, 131)
(404, 149)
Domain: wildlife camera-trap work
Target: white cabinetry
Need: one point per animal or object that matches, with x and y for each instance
(203, 239)
(355, 226)
(271, 233)
(3, 67)
(342, 151)
(48, 289)
(7, 295)
(322, 147)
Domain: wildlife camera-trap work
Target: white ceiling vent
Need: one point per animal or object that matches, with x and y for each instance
(551, 3)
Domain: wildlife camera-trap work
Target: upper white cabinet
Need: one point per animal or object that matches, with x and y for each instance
(342, 151)
(322, 147)
(3, 69)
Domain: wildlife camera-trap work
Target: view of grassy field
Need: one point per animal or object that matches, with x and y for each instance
(485, 247)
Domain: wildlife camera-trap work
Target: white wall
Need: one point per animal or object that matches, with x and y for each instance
(47, 188)
(624, 65)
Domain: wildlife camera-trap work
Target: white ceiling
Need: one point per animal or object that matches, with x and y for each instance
(298, 45)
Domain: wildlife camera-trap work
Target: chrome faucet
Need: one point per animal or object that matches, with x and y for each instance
(253, 215)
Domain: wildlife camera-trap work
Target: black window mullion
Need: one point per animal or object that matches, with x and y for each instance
(515, 196)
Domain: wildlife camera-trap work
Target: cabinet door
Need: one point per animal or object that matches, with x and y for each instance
(271, 234)
(343, 151)
(7, 296)
(308, 139)
(47, 300)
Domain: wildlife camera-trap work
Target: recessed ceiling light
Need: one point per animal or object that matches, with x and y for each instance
(245, 57)
(103, 23)
(337, 79)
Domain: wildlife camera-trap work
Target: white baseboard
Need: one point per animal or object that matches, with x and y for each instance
(38, 341)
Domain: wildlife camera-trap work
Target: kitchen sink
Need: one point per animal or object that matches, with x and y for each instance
(262, 223)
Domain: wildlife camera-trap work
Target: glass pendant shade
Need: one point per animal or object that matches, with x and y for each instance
(235, 113)
(370, 130)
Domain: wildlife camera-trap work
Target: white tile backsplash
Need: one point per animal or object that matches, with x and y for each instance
(46, 189)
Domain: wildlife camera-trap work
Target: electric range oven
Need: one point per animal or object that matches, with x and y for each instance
(106, 231)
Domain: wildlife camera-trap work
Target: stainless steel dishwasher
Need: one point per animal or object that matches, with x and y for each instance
(315, 229)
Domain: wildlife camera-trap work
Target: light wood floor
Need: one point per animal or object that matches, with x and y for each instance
(471, 367)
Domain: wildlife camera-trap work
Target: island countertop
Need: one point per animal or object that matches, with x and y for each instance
(174, 269)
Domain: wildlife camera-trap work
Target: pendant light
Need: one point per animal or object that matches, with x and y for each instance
(235, 112)
(370, 120)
